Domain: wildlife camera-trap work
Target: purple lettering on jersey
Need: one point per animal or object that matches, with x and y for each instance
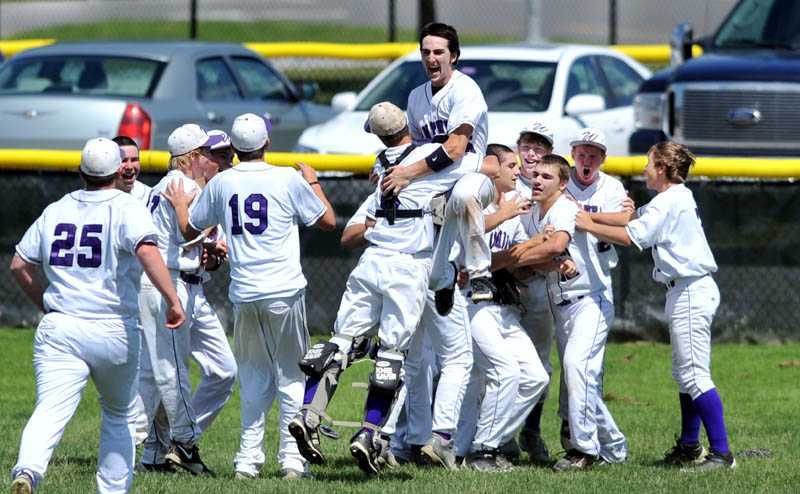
(87, 240)
(56, 259)
(441, 127)
(154, 200)
(236, 227)
(499, 240)
(255, 207)
(589, 208)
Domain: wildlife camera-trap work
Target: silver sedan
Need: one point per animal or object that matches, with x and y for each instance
(58, 96)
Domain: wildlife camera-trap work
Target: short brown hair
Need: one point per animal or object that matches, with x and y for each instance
(393, 140)
(675, 158)
(558, 161)
(535, 140)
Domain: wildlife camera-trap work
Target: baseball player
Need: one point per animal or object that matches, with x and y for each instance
(507, 372)
(221, 151)
(259, 207)
(450, 109)
(670, 224)
(169, 351)
(90, 243)
(208, 345)
(583, 313)
(129, 170)
(386, 289)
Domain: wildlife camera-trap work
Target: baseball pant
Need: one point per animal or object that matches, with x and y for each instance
(537, 321)
(421, 363)
(507, 371)
(581, 333)
(212, 353)
(463, 220)
(270, 337)
(452, 344)
(690, 308)
(67, 351)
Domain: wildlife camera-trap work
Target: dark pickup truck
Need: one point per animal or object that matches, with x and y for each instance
(740, 98)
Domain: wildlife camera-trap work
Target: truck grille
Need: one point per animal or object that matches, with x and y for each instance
(744, 119)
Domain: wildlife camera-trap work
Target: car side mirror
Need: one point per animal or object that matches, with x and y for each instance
(584, 103)
(308, 90)
(343, 102)
(680, 43)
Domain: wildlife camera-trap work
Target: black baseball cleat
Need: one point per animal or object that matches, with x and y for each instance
(187, 457)
(364, 450)
(307, 439)
(443, 299)
(482, 289)
(713, 461)
(681, 454)
(165, 467)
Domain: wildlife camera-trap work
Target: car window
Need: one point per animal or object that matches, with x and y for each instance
(107, 76)
(507, 85)
(584, 79)
(260, 80)
(622, 79)
(215, 80)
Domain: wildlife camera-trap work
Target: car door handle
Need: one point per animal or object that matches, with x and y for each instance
(213, 117)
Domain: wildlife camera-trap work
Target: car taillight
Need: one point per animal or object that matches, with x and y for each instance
(136, 124)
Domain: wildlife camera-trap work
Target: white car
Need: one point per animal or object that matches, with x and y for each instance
(567, 87)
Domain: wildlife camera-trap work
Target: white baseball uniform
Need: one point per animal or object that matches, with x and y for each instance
(169, 350)
(432, 118)
(670, 224)
(86, 243)
(583, 312)
(141, 192)
(507, 377)
(259, 207)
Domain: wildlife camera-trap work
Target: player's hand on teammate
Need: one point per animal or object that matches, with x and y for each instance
(177, 195)
(373, 177)
(462, 278)
(568, 268)
(309, 174)
(395, 179)
(628, 206)
(509, 208)
(175, 316)
(583, 220)
(548, 231)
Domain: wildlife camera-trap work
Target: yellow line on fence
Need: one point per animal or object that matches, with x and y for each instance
(156, 161)
(642, 53)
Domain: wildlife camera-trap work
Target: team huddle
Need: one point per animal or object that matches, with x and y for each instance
(478, 256)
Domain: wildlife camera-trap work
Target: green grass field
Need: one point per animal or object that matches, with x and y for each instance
(758, 385)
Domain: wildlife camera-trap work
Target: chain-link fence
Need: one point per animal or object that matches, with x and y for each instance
(753, 228)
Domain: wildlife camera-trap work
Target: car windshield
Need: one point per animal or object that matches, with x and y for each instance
(79, 74)
(761, 24)
(507, 85)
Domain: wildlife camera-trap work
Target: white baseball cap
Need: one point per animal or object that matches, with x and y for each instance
(540, 129)
(186, 138)
(249, 132)
(385, 119)
(100, 157)
(218, 139)
(590, 137)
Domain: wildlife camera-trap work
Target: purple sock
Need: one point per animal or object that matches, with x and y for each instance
(534, 418)
(443, 435)
(311, 387)
(377, 408)
(690, 420)
(709, 405)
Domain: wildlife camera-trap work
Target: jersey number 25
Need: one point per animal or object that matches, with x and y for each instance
(67, 243)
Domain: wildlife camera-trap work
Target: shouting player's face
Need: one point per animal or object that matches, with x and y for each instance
(588, 160)
(129, 168)
(437, 60)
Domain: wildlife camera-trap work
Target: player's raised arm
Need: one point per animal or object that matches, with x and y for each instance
(27, 278)
(153, 265)
(610, 233)
(328, 220)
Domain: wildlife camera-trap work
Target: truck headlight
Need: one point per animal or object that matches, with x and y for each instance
(648, 111)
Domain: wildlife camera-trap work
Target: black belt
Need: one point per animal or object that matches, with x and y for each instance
(191, 279)
(564, 303)
(400, 213)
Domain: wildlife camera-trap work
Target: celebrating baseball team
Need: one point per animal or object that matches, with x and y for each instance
(478, 256)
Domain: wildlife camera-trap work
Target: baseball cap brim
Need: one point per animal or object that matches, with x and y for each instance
(588, 143)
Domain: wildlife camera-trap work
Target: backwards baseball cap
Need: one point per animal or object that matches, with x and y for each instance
(385, 119)
(539, 129)
(186, 138)
(249, 132)
(218, 139)
(590, 137)
(100, 157)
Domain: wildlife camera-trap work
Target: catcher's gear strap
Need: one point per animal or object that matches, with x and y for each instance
(325, 390)
(398, 213)
(437, 206)
(389, 202)
(507, 286)
(318, 358)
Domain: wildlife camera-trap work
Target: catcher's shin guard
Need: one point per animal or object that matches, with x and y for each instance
(384, 384)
